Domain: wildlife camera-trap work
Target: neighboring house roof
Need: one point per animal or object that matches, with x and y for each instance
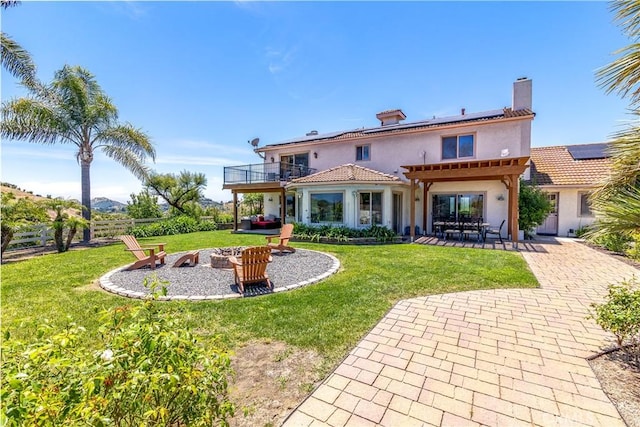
(504, 113)
(557, 165)
(347, 173)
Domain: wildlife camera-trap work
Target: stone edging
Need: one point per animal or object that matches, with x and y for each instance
(109, 286)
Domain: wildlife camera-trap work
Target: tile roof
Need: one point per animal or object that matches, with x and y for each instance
(347, 173)
(484, 116)
(556, 166)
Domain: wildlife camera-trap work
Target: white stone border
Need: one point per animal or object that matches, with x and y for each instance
(109, 286)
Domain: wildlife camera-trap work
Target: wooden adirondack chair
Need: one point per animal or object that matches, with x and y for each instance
(283, 239)
(140, 253)
(252, 266)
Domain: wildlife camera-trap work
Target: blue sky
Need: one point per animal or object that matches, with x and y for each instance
(203, 78)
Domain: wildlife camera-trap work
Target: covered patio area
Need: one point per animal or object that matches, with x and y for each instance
(507, 171)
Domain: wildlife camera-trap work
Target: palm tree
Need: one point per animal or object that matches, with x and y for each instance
(622, 76)
(616, 202)
(73, 109)
(15, 59)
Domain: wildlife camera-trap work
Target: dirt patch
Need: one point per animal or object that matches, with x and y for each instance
(271, 379)
(621, 382)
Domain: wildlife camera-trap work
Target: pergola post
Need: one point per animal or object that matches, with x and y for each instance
(513, 208)
(412, 214)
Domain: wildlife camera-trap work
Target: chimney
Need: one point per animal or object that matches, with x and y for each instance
(522, 94)
(462, 111)
(390, 117)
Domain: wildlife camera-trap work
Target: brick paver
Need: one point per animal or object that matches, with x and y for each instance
(496, 357)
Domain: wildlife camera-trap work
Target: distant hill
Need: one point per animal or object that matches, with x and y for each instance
(103, 204)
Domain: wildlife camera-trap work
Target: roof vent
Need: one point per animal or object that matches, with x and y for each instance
(390, 117)
(312, 133)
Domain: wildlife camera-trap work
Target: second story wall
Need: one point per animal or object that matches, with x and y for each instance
(387, 151)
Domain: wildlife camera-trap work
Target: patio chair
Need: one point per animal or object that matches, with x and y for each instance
(252, 266)
(283, 239)
(495, 231)
(140, 253)
(473, 227)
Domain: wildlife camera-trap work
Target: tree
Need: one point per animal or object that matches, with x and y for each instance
(63, 220)
(15, 59)
(144, 205)
(16, 213)
(622, 76)
(616, 203)
(73, 109)
(533, 207)
(182, 192)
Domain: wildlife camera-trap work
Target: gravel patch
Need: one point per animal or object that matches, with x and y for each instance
(286, 271)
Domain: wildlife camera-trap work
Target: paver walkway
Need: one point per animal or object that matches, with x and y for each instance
(497, 358)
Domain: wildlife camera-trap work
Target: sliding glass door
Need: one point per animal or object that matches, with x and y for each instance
(453, 207)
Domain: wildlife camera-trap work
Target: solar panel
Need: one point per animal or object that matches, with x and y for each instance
(589, 151)
(438, 121)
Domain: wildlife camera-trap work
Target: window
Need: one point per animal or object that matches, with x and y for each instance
(370, 212)
(327, 207)
(291, 206)
(584, 207)
(362, 152)
(456, 147)
(294, 166)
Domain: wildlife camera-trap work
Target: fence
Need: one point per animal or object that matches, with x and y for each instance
(42, 234)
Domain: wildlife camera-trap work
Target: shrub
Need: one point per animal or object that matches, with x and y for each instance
(342, 233)
(175, 225)
(620, 315)
(582, 231)
(533, 207)
(612, 241)
(147, 370)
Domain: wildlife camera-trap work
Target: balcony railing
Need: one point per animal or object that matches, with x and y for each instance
(264, 172)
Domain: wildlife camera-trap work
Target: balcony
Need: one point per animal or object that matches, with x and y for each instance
(263, 174)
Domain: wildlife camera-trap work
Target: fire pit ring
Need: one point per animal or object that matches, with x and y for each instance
(220, 256)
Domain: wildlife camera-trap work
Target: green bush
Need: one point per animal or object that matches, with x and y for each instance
(533, 208)
(175, 225)
(612, 242)
(620, 315)
(148, 369)
(342, 233)
(582, 231)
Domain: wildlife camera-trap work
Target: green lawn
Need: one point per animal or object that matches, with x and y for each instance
(329, 317)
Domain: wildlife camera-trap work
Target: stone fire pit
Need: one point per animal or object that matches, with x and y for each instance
(220, 256)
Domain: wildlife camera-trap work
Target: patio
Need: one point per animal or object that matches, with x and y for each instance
(202, 282)
(536, 245)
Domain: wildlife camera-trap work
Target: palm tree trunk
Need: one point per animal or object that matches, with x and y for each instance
(86, 199)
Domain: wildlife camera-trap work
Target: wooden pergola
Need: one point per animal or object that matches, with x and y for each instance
(507, 171)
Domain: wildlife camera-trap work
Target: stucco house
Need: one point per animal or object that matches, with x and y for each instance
(399, 175)
(568, 174)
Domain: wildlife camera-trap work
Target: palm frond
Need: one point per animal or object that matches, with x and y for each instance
(618, 215)
(128, 159)
(17, 61)
(627, 13)
(34, 121)
(126, 137)
(622, 76)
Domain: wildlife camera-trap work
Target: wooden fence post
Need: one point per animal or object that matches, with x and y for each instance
(43, 235)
